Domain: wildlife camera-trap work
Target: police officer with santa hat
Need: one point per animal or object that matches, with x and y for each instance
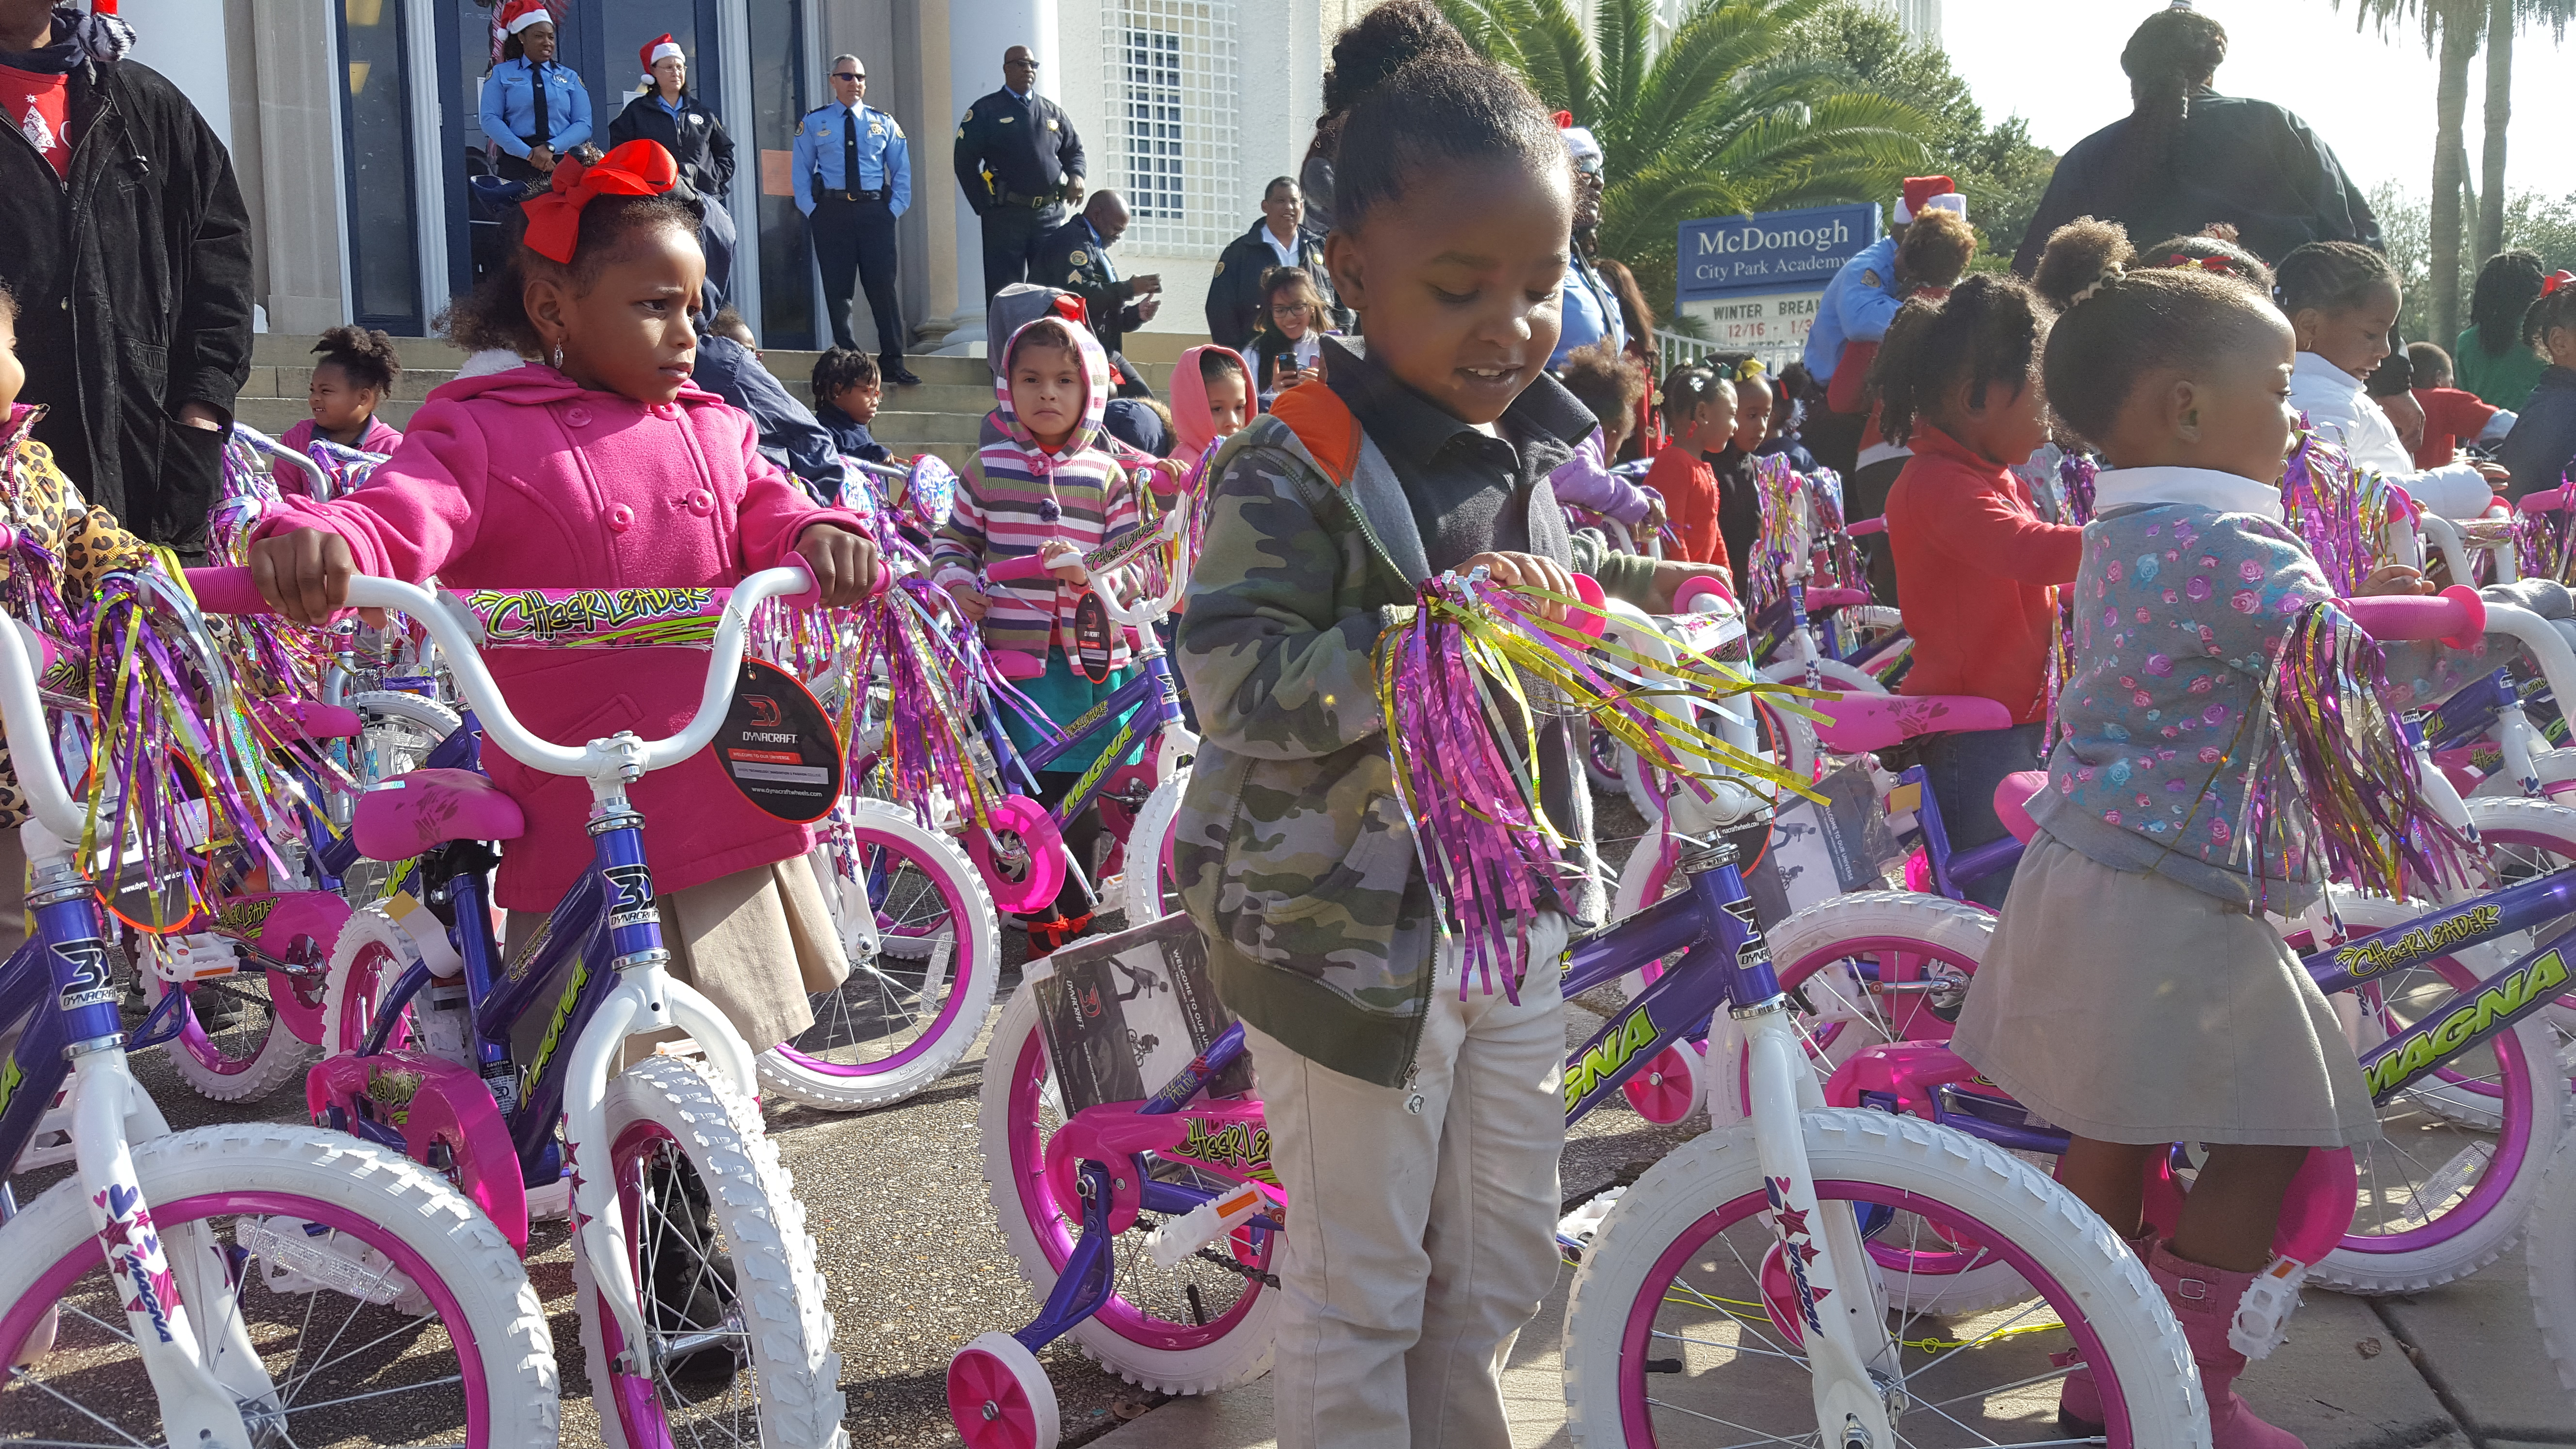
(853, 176)
(535, 110)
(668, 114)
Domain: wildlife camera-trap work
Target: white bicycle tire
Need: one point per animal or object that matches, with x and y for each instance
(2137, 1329)
(976, 968)
(283, 1056)
(1140, 895)
(779, 1290)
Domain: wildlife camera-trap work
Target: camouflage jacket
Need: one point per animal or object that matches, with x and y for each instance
(1292, 852)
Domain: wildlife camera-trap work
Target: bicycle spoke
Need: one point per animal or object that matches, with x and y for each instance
(1760, 1437)
(48, 1390)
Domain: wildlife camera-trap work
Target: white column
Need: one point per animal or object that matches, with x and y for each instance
(978, 32)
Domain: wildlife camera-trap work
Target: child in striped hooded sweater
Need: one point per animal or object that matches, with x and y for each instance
(1046, 486)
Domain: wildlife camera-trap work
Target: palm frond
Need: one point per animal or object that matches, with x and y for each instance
(1561, 59)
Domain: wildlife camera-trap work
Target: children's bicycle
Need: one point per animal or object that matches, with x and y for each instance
(701, 1308)
(1777, 1282)
(247, 1283)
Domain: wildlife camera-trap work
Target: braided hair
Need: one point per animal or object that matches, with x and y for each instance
(2118, 324)
(2331, 275)
(1406, 80)
(2172, 54)
(2507, 286)
(1988, 330)
(2208, 253)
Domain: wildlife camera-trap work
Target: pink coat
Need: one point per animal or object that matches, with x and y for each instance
(524, 479)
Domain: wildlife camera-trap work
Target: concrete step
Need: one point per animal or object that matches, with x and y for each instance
(274, 415)
(297, 382)
(283, 349)
(900, 430)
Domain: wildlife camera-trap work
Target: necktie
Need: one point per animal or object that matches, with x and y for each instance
(1100, 249)
(849, 148)
(537, 92)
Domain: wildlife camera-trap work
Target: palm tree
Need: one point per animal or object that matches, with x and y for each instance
(1715, 121)
(2504, 17)
(2452, 30)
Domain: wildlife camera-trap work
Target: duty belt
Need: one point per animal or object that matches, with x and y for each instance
(882, 193)
(1034, 203)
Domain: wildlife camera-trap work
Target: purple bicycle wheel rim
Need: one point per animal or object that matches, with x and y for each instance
(2513, 1149)
(1637, 1423)
(956, 907)
(19, 1319)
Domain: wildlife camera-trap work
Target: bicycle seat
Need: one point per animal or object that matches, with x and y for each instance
(305, 719)
(1860, 722)
(414, 811)
(2012, 802)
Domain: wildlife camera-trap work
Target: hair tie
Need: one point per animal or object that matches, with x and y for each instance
(1749, 370)
(2110, 274)
(2556, 280)
(638, 168)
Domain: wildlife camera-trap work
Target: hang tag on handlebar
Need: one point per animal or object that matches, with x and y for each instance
(778, 747)
(1091, 639)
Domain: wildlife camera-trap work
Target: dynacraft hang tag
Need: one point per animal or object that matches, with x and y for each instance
(1091, 638)
(777, 747)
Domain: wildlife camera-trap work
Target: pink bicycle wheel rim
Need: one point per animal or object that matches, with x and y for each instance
(19, 1319)
(192, 1036)
(955, 905)
(639, 1406)
(1056, 1239)
(1637, 1423)
(2513, 1148)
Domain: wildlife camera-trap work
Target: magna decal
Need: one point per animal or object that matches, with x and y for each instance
(2373, 955)
(554, 1029)
(1606, 1056)
(2430, 1041)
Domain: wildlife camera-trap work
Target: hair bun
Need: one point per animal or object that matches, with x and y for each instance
(2080, 256)
(1383, 42)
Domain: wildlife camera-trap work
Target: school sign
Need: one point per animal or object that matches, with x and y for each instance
(1755, 280)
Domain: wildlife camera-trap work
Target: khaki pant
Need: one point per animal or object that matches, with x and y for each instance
(1421, 1233)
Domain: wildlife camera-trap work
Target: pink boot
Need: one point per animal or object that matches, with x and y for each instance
(2205, 1300)
(2079, 1399)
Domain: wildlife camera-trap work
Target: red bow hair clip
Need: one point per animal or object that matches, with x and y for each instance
(2221, 265)
(638, 168)
(2557, 280)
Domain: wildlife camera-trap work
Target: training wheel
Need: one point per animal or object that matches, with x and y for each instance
(999, 1397)
(1672, 1086)
(1040, 876)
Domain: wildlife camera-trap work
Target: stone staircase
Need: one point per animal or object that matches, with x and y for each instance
(941, 416)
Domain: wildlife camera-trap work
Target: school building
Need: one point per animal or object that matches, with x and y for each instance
(352, 124)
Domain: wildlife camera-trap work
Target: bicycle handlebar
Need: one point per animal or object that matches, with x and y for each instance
(2456, 616)
(2547, 501)
(230, 591)
(1866, 527)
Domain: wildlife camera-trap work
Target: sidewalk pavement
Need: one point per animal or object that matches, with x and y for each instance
(2458, 1367)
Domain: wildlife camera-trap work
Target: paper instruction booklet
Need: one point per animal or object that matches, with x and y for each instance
(1124, 1014)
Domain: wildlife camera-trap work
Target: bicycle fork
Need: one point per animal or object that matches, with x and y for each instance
(1837, 1293)
(202, 1374)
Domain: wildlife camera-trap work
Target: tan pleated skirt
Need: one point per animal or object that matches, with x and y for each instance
(2127, 1008)
(756, 943)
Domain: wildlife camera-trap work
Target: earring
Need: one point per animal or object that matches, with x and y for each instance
(558, 363)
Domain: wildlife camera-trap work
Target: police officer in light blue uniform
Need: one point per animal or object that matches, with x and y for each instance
(853, 172)
(533, 109)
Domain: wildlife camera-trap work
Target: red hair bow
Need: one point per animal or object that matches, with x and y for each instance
(2556, 281)
(638, 168)
(2220, 265)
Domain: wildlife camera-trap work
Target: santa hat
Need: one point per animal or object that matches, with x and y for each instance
(518, 15)
(655, 50)
(1580, 144)
(1929, 193)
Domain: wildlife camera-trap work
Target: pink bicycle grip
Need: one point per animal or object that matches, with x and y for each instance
(813, 594)
(1866, 527)
(2456, 616)
(1825, 601)
(1590, 619)
(227, 591)
(1027, 566)
(2548, 501)
(1686, 598)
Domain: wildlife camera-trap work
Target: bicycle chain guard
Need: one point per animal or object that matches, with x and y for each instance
(431, 1101)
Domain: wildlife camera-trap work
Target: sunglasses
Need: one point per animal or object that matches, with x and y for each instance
(849, 75)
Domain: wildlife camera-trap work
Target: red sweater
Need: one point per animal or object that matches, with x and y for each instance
(1689, 487)
(2452, 420)
(1975, 570)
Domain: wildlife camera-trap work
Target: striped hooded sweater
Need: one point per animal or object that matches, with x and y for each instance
(1017, 496)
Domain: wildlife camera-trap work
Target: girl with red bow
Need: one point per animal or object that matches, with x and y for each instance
(602, 467)
(2542, 445)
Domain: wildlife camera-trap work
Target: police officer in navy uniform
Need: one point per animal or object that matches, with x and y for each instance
(853, 174)
(1075, 258)
(1020, 160)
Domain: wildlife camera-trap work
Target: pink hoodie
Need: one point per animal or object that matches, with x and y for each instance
(1190, 405)
(525, 479)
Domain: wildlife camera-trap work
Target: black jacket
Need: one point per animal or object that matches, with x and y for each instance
(2542, 444)
(705, 154)
(1028, 148)
(1234, 293)
(2248, 163)
(789, 435)
(134, 296)
(1070, 258)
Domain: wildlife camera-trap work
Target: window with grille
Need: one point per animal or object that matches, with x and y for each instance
(1171, 98)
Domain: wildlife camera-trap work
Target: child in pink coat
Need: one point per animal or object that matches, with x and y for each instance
(602, 467)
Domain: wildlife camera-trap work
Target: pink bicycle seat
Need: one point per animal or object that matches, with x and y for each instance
(2012, 802)
(305, 719)
(414, 811)
(1858, 722)
(1825, 601)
